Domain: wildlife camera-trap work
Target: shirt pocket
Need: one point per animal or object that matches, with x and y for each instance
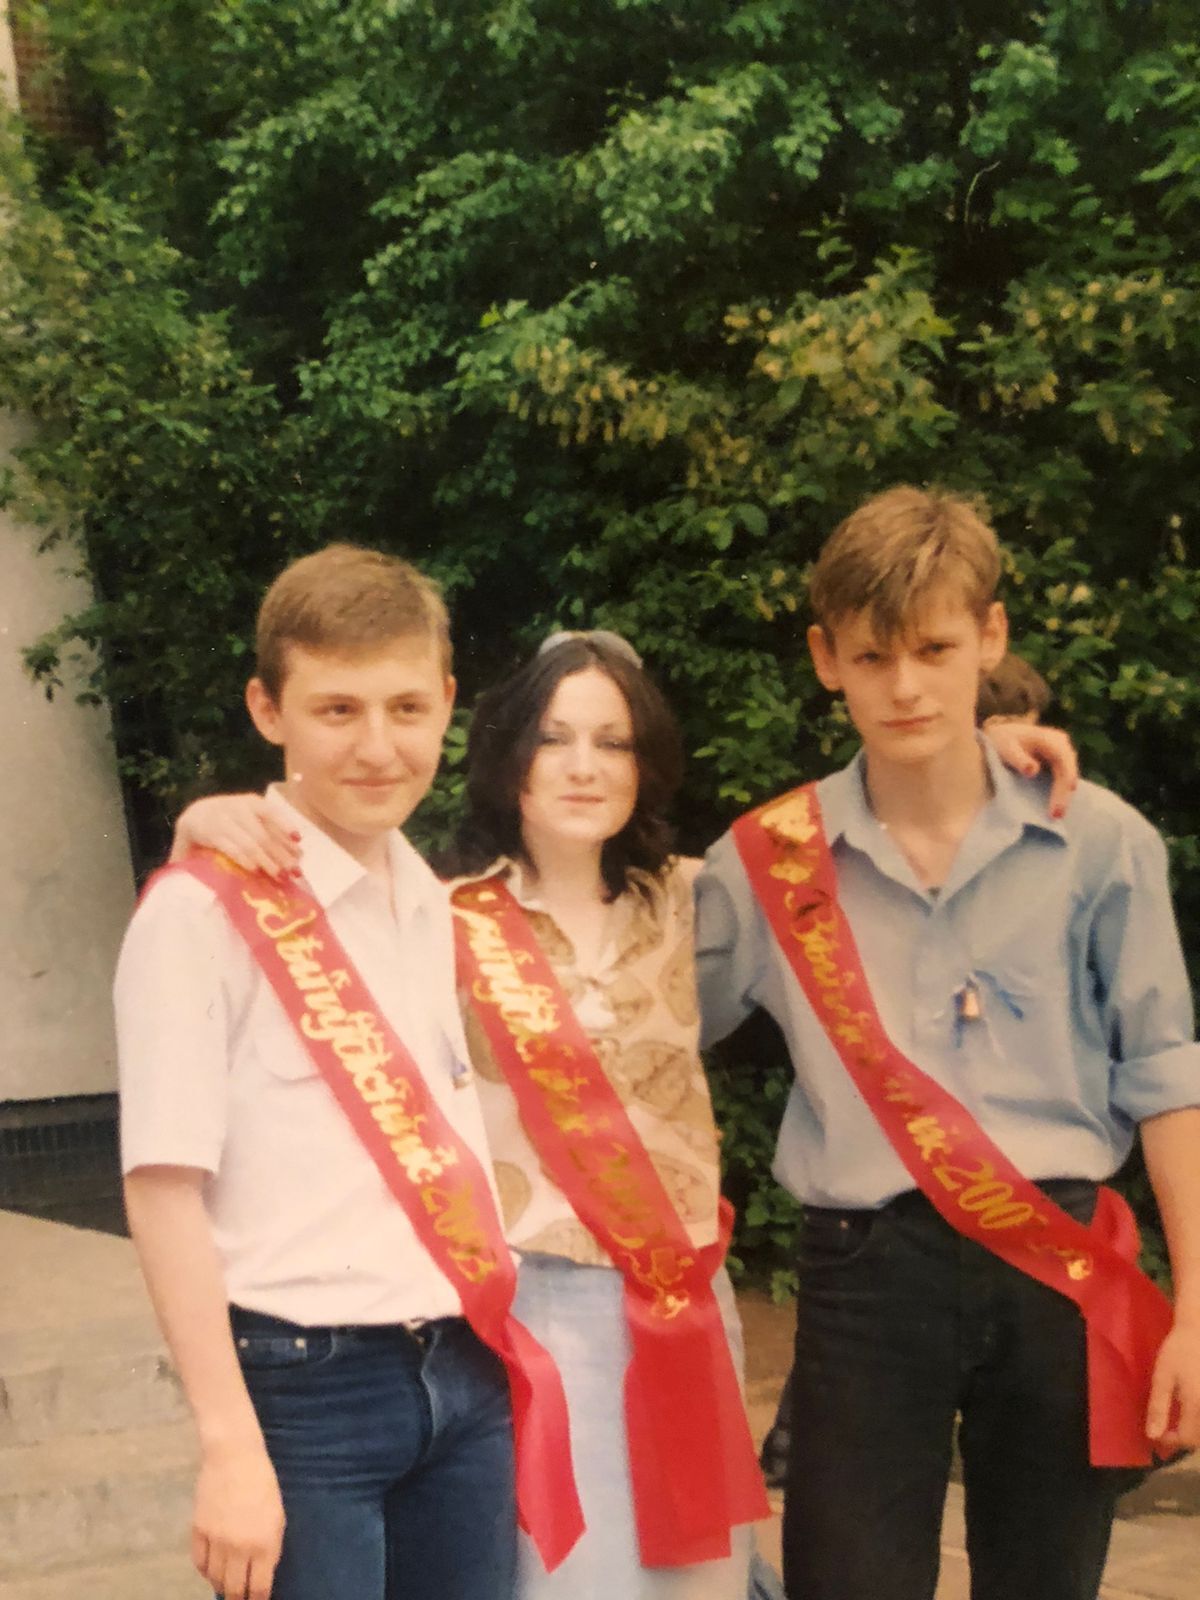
(1015, 991)
(281, 1051)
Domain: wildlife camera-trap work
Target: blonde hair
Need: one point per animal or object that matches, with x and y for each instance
(345, 599)
(891, 555)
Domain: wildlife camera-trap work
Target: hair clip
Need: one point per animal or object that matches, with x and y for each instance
(602, 636)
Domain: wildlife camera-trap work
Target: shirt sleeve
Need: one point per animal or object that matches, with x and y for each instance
(173, 1028)
(728, 942)
(1142, 982)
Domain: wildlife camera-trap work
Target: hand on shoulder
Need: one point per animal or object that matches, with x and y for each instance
(1027, 747)
(242, 827)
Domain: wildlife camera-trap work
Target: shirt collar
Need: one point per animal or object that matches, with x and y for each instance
(330, 871)
(845, 813)
(510, 868)
(1022, 802)
(524, 892)
(1015, 804)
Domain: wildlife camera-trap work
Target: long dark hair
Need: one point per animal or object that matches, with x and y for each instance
(504, 739)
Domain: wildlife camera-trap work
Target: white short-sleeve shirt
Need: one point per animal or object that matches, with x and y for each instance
(214, 1076)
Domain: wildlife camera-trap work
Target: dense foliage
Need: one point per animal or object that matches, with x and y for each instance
(606, 314)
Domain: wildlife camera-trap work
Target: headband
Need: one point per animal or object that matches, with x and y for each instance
(601, 636)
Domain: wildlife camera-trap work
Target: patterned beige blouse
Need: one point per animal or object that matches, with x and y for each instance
(638, 1005)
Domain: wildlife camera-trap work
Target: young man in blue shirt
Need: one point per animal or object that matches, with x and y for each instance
(1029, 966)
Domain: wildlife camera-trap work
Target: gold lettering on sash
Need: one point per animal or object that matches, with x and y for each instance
(530, 1017)
(929, 1137)
(528, 1009)
(359, 1044)
(561, 1094)
(989, 1202)
(970, 1180)
(614, 1181)
(790, 819)
(663, 1272)
(1080, 1264)
(456, 1219)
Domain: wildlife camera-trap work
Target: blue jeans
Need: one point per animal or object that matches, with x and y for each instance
(904, 1326)
(393, 1451)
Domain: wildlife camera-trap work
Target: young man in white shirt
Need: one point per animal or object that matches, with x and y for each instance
(355, 1432)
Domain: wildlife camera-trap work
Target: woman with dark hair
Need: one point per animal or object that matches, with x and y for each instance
(572, 764)
(578, 992)
(506, 735)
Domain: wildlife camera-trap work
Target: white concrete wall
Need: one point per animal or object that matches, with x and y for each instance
(66, 887)
(8, 63)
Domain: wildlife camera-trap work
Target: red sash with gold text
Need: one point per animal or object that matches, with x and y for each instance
(956, 1166)
(428, 1168)
(692, 1459)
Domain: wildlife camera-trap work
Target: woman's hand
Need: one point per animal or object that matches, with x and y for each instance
(1026, 747)
(242, 827)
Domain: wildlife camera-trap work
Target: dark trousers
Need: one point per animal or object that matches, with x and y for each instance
(904, 1326)
(394, 1456)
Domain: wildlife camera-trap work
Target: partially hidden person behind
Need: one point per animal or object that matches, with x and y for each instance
(575, 931)
(983, 1002)
(1013, 691)
(307, 1178)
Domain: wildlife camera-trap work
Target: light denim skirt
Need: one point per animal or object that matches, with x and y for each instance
(578, 1314)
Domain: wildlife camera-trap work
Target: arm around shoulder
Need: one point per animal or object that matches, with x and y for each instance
(729, 936)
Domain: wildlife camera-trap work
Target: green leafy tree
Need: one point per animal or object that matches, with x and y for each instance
(607, 314)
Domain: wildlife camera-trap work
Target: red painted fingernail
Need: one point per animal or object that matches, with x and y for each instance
(295, 836)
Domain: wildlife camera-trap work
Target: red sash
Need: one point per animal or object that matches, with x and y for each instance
(956, 1166)
(692, 1459)
(427, 1167)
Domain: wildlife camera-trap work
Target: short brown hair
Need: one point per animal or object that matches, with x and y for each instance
(1012, 689)
(346, 599)
(888, 557)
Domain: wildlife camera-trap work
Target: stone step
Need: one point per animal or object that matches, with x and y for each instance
(155, 1577)
(92, 1377)
(60, 1277)
(93, 1497)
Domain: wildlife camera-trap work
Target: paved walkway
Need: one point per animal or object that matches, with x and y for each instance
(54, 1277)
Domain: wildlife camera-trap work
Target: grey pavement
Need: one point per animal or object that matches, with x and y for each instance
(96, 1451)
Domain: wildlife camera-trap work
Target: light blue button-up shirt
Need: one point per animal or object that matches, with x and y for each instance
(1063, 931)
